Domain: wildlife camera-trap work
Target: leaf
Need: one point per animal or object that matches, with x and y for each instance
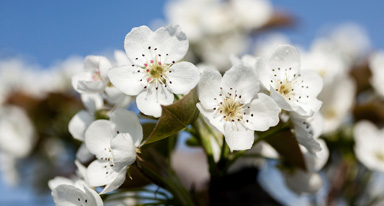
(175, 117)
(287, 146)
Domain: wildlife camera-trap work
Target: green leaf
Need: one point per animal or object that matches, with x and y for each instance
(175, 117)
(287, 146)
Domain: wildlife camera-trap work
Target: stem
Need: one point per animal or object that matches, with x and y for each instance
(178, 191)
(202, 130)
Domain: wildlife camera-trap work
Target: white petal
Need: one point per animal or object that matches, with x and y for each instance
(55, 182)
(121, 58)
(303, 182)
(92, 102)
(184, 77)
(238, 137)
(308, 88)
(135, 45)
(66, 195)
(149, 101)
(101, 173)
(117, 181)
(128, 122)
(241, 78)
(79, 123)
(98, 137)
(209, 87)
(114, 96)
(280, 100)
(127, 79)
(96, 199)
(98, 63)
(209, 118)
(123, 150)
(304, 132)
(172, 41)
(142, 45)
(83, 154)
(90, 86)
(81, 170)
(284, 57)
(265, 113)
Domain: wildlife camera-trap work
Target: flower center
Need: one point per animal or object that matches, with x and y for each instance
(285, 88)
(380, 156)
(231, 108)
(96, 76)
(156, 71)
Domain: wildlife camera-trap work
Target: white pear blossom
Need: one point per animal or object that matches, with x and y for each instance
(307, 130)
(338, 98)
(233, 105)
(251, 14)
(328, 65)
(292, 89)
(369, 142)
(69, 195)
(114, 143)
(376, 64)
(155, 74)
(348, 40)
(94, 79)
(300, 181)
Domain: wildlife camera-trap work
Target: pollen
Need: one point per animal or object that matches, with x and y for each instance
(231, 108)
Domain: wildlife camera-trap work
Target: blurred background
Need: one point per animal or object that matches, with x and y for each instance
(55, 36)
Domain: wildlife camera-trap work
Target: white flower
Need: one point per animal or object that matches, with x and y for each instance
(67, 195)
(94, 79)
(328, 65)
(376, 64)
(155, 74)
(307, 130)
(369, 142)
(251, 14)
(114, 143)
(17, 134)
(338, 98)
(291, 89)
(300, 181)
(233, 105)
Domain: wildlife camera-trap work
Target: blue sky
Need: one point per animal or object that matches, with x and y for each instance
(48, 31)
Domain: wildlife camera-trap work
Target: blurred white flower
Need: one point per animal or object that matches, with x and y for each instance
(338, 98)
(376, 64)
(17, 134)
(215, 50)
(65, 195)
(251, 14)
(233, 105)
(264, 44)
(328, 65)
(154, 74)
(94, 79)
(300, 181)
(114, 143)
(369, 142)
(348, 40)
(292, 89)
